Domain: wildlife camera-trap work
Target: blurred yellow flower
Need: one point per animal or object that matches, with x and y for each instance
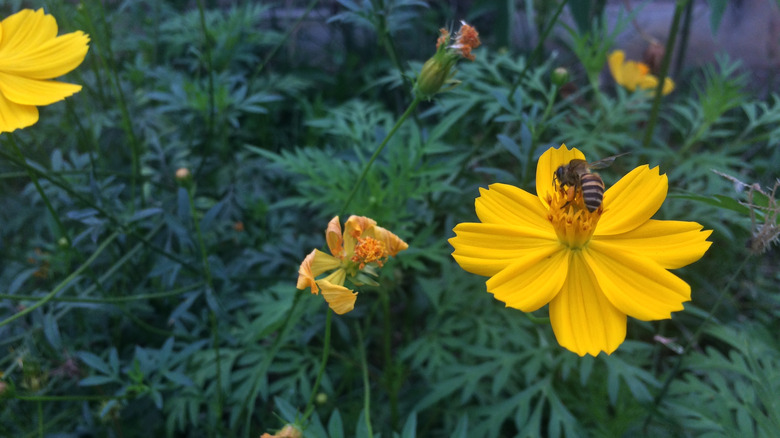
(634, 74)
(363, 247)
(31, 54)
(592, 267)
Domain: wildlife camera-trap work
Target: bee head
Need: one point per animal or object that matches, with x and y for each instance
(559, 175)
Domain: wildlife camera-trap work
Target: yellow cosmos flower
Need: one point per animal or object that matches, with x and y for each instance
(633, 74)
(363, 247)
(593, 268)
(31, 54)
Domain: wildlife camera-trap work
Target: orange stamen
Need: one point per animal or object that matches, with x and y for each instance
(369, 250)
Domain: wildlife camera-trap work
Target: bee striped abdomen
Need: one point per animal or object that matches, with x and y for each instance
(592, 190)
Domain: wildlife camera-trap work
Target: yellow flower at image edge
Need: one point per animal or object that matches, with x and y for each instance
(633, 74)
(363, 247)
(593, 268)
(31, 54)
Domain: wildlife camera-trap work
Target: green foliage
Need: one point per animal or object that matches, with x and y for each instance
(143, 308)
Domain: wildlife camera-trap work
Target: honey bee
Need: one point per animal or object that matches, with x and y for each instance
(577, 175)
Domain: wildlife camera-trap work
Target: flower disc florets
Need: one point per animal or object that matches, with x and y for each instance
(573, 222)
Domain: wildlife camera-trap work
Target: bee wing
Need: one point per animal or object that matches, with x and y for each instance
(605, 162)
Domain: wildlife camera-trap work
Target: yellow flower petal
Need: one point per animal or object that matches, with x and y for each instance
(671, 244)
(548, 163)
(47, 60)
(333, 237)
(353, 229)
(27, 91)
(336, 277)
(632, 201)
(485, 249)
(505, 204)
(638, 286)
(26, 30)
(316, 263)
(582, 318)
(393, 244)
(668, 86)
(305, 274)
(339, 298)
(14, 116)
(531, 281)
(648, 82)
(615, 61)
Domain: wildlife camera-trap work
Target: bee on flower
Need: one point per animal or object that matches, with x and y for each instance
(593, 264)
(356, 254)
(438, 69)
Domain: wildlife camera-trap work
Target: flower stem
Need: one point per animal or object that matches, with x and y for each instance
(325, 352)
(34, 178)
(379, 149)
(210, 70)
(112, 300)
(64, 283)
(670, 42)
(366, 385)
(212, 317)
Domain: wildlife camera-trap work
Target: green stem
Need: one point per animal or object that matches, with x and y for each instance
(40, 418)
(112, 300)
(34, 177)
(366, 385)
(373, 158)
(670, 42)
(537, 133)
(64, 283)
(390, 365)
(538, 49)
(212, 317)
(290, 30)
(210, 69)
(127, 122)
(325, 352)
(59, 398)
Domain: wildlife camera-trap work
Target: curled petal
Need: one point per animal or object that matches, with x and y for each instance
(339, 298)
(505, 204)
(316, 263)
(333, 237)
(632, 201)
(393, 244)
(486, 249)
(26, 91)
(305, 274)
(532, 281)
(548, 163)
(638, 286)
(583, 319)
(15, 116)
(355, 227)
(671, 244)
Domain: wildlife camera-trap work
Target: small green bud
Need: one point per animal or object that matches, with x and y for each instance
(184, 178)
(321, 398)
(433, 75)
(559, 76)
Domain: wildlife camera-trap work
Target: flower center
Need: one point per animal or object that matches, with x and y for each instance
(368, 250)
(573, 222)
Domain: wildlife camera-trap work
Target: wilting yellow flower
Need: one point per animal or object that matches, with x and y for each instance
(31, 54)
(363, 247)
(634, 74)
(593, 268)
(437, 70)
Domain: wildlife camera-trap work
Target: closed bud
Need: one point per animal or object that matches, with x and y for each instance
(184, 178)
(559, 76)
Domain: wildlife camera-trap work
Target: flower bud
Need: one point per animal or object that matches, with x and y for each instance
(559, 76)
(184, 178)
